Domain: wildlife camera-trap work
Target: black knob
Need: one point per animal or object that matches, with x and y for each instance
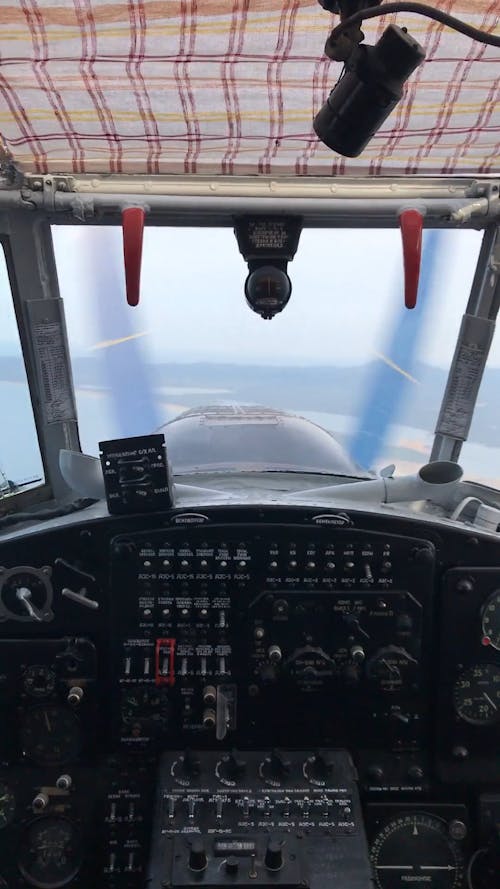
(279, 766)
(191, 763)
(321, 766)
(197, 856)
(274, 855)
(124, 549)
(234, 767)
(232, 865)
(375, 773)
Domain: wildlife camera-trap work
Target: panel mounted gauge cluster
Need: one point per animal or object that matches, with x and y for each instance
(468, 727)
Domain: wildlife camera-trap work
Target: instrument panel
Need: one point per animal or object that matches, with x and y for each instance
(192, 699)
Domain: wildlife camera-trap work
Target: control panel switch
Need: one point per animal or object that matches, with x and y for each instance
(357, 654)
(130, 862)
(209, 718)
(64, 782)
(171, 807)
(274, 654)
(210, 695)
(75, 696)
(40, 802)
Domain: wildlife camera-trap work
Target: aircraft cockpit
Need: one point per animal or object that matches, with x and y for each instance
(249, 475)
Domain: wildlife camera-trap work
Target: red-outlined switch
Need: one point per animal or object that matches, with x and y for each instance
(411, 224)
(133, 232)
(165, 662)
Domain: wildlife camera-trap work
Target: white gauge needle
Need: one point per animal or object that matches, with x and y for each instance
(47, 722)
(486, 695)
(437, 867)
(394, 867)
(24, 596)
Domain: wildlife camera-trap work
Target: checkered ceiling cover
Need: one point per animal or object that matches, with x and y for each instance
(229, 87)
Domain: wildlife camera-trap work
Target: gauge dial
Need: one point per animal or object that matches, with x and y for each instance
(267, 290)
(51, 854)
(417, 847)
(39, 681)
(50, 735)
(7, 806)
(26, 594)
(491, 621)
(476, 695)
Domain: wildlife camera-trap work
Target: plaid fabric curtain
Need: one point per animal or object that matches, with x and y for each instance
(229, 87)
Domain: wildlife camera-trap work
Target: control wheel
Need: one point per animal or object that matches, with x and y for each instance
(484, 868)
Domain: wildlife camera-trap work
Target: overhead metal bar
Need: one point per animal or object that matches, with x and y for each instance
(266, 186)
(220, 211)
(471, 352)
(215, 201)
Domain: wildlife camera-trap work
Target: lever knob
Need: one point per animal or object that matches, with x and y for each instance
(197, 856)
(274, 855)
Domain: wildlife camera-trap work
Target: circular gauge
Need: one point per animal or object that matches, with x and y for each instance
(7, 806)
(50, 735)
(39, 681)
(476, 694)
(26, 594)
(391, 668)
(484, 868)
(491, 621)
(51, 853)
(416, 849)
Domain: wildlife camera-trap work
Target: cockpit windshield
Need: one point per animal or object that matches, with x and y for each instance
(344, 353)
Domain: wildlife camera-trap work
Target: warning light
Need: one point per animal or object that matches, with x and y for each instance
(486, 641)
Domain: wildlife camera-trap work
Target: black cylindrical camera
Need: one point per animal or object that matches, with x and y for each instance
(368, 90)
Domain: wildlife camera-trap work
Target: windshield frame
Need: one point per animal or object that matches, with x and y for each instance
(25, 232)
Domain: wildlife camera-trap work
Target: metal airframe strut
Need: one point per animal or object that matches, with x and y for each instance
(471, 352)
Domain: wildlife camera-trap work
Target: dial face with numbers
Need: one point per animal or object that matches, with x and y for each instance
(50, 855)
(476, 695)
(416, 849)
(491, 621)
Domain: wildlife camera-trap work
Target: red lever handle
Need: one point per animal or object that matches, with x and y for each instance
(411, 224)
(133, 231)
